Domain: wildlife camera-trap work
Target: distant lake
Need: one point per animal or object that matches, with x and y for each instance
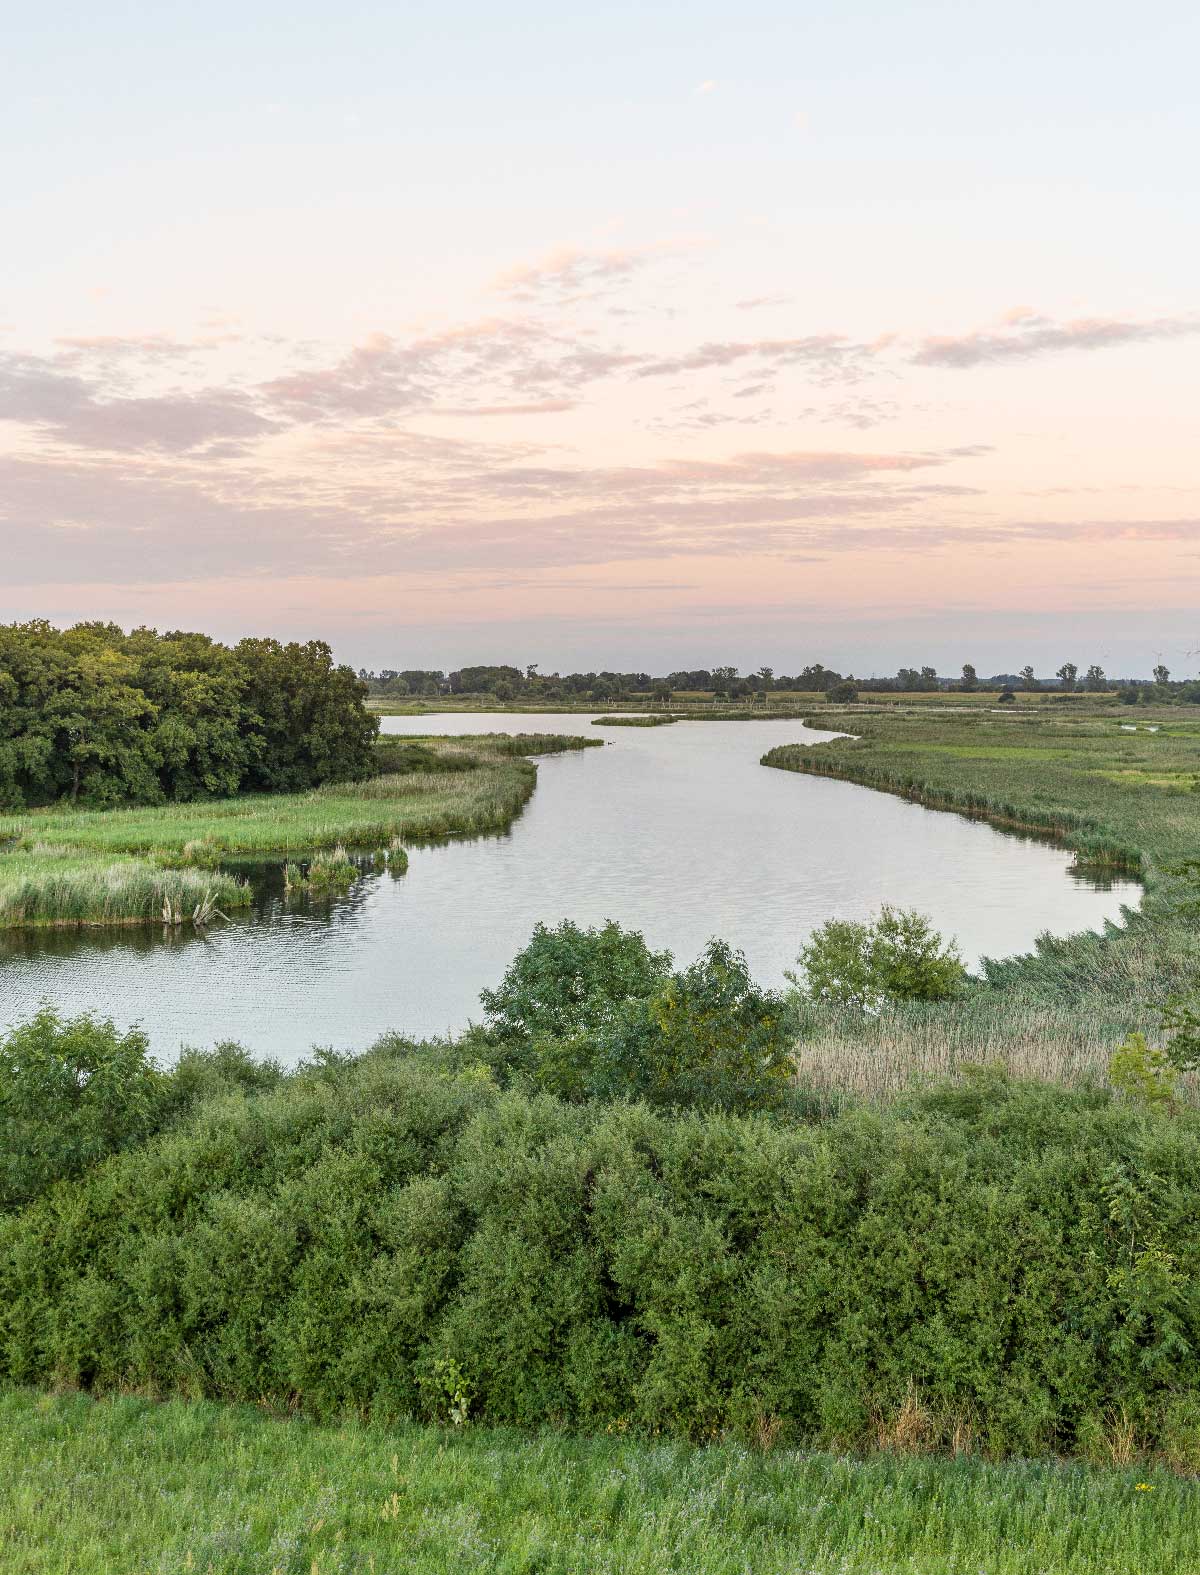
(677, 831)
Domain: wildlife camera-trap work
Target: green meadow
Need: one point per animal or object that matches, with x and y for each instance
(124, 1486)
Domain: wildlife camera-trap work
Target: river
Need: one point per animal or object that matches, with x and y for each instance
(676, 830)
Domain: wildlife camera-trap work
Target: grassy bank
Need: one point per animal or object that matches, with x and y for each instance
(65, 866)
(651, 719)
(227, 1490)
(1122, 800)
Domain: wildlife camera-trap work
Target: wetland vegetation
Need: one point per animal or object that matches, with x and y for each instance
(72, 866)
(846, 1256)
(1121, 798)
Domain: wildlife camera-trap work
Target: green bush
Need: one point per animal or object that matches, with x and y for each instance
(900, 957)
(569, 980)
(72, 1091)
(594, 1014)
(709, 1039)
(385, 1237)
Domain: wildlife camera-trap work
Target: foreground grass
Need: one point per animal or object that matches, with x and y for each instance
(67, 866)
(1122, 799)
(122, 1486)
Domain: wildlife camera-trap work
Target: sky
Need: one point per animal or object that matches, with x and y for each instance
(627, 336)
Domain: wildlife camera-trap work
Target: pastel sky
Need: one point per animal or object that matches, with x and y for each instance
(624, 335)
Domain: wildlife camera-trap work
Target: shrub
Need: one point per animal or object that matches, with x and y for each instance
(900, 957)
(1142, 1072)
(381, 1236)
(72, 1091)
(709, 1039)
(569, 980)
(1181, 1020)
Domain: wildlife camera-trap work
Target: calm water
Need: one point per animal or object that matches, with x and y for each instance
(675, 830)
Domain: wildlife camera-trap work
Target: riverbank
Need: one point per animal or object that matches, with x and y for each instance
(228, 1488)
(1123, 796)
(64, 867)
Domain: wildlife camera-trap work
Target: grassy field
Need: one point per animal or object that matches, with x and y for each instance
(122, 1487)
(1122, 794)
(97, 867)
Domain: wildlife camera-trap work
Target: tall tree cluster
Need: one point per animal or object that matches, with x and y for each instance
(95, 716)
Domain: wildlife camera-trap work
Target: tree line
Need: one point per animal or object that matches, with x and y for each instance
(96, 716)
(507, 681)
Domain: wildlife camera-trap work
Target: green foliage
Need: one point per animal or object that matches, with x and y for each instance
(1007, 1261)
(1142, 1072)
(76, 866)
(1181, 1021)
(900, 957)
(594, 1014)
(99, 717)
(708, 1039)
(569, 980)
(307, 722)
(72, 1091)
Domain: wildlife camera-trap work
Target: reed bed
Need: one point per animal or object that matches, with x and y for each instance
(59, 887)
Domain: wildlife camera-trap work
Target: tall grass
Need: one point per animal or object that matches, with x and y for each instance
(53, 886)
(229, 1490)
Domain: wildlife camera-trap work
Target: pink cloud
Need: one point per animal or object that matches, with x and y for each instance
(1028, 335)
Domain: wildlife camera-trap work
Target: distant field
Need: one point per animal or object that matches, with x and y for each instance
(121, 1487)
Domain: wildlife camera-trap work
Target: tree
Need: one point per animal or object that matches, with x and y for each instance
(1067, 674)
(1162, 675)
(1095, 681)
(1007, 696)
(970, 679)
(844, 693)
(568, 980)
(72, 1091)
(306, 723)
(710, 1038)
(1028, 678)
(900, 957)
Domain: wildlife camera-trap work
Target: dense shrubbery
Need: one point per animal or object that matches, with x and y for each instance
(74, 1091)
(101, 717)
(594, 1014)
(1014, 1264)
